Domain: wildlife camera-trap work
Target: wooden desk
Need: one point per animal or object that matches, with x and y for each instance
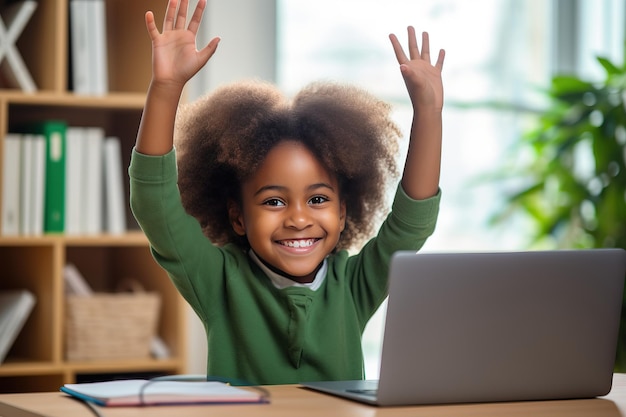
(291, 400)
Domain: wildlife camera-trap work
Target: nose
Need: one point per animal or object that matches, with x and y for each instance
(298, 216)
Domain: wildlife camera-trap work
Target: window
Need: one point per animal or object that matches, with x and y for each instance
(496, 50)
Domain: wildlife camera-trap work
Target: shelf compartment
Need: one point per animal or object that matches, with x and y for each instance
(44, 382)
(33, 268)
(105, 267)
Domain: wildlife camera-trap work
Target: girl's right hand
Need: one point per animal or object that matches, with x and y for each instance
(175, 58)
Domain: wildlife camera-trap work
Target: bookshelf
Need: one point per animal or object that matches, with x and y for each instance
(37, 362)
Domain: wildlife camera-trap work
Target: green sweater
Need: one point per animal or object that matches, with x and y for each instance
(255, 331)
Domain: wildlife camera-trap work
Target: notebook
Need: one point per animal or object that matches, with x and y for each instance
(490, 327)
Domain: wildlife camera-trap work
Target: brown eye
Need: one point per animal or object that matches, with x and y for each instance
(318, 199)
(273, 202)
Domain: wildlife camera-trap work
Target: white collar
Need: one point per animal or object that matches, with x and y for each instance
(281, 281)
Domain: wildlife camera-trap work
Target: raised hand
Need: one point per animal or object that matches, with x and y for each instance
(422, 79)
(175, 58)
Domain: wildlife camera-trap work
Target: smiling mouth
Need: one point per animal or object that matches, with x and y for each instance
(301, 243)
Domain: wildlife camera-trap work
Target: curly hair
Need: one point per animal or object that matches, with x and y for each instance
(222, 138)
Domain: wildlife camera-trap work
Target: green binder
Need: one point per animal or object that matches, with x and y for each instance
(54, 206)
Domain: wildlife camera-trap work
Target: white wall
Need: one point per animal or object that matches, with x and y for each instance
(248, 45)
(247, 50)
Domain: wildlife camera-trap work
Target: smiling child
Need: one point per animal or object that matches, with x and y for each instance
(255, 209)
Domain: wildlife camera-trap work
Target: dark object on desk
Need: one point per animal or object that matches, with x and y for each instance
(488, 327)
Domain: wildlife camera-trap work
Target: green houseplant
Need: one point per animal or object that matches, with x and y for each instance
(571, 167)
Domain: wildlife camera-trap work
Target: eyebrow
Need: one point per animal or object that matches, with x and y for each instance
(311, 187)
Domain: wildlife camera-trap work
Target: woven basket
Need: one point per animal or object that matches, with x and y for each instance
(110, 326)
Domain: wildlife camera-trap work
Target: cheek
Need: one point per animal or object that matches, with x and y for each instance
(259, 222)
(335, 221)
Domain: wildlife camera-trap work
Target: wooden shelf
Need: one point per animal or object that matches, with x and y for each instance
(132, 238)
(120, 101)
(37, 362)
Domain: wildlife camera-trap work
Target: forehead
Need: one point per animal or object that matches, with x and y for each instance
(290, 163)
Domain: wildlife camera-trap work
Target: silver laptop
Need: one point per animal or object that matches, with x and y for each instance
(487, 327)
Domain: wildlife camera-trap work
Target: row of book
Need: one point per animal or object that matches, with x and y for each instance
(62, 179)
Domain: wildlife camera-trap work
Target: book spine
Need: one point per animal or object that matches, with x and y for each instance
(115, 212)
(55, 178)
(26, 203)
(74, 177)
(54, 132)
(39, 180)
(99, 63)
(11, 184)
(79, 32)
(93, 182)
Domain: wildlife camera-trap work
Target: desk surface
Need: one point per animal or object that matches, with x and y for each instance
(292, 400)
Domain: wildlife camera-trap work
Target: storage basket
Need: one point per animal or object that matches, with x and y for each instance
(111, 326)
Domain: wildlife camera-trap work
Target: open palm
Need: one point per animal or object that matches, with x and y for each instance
(422, 79)
(175, 58)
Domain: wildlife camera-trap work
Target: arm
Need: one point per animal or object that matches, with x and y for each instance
(420, 178)
(174, 61)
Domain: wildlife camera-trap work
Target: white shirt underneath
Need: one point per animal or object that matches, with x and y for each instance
(281, 282)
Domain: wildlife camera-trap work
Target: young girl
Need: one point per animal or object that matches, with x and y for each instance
(273, 193)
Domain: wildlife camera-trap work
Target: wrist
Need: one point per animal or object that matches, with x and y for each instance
(427, 109)
(427, 116)
(166, 89)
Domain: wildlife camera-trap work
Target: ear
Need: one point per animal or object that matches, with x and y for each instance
(342, 215)
(236, 218)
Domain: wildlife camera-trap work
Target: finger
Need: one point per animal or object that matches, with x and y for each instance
(397, 49)
(194, 24)
(440, 58)
(181, 17)
(414, 51)
(425, 47)
(151, 25)
(207, 52)
(170, 15)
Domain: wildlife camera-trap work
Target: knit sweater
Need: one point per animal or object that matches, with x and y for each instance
(255, 331)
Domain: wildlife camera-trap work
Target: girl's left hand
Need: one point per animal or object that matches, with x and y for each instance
(422, 79)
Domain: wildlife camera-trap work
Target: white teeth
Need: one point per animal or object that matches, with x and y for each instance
(299, 243)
